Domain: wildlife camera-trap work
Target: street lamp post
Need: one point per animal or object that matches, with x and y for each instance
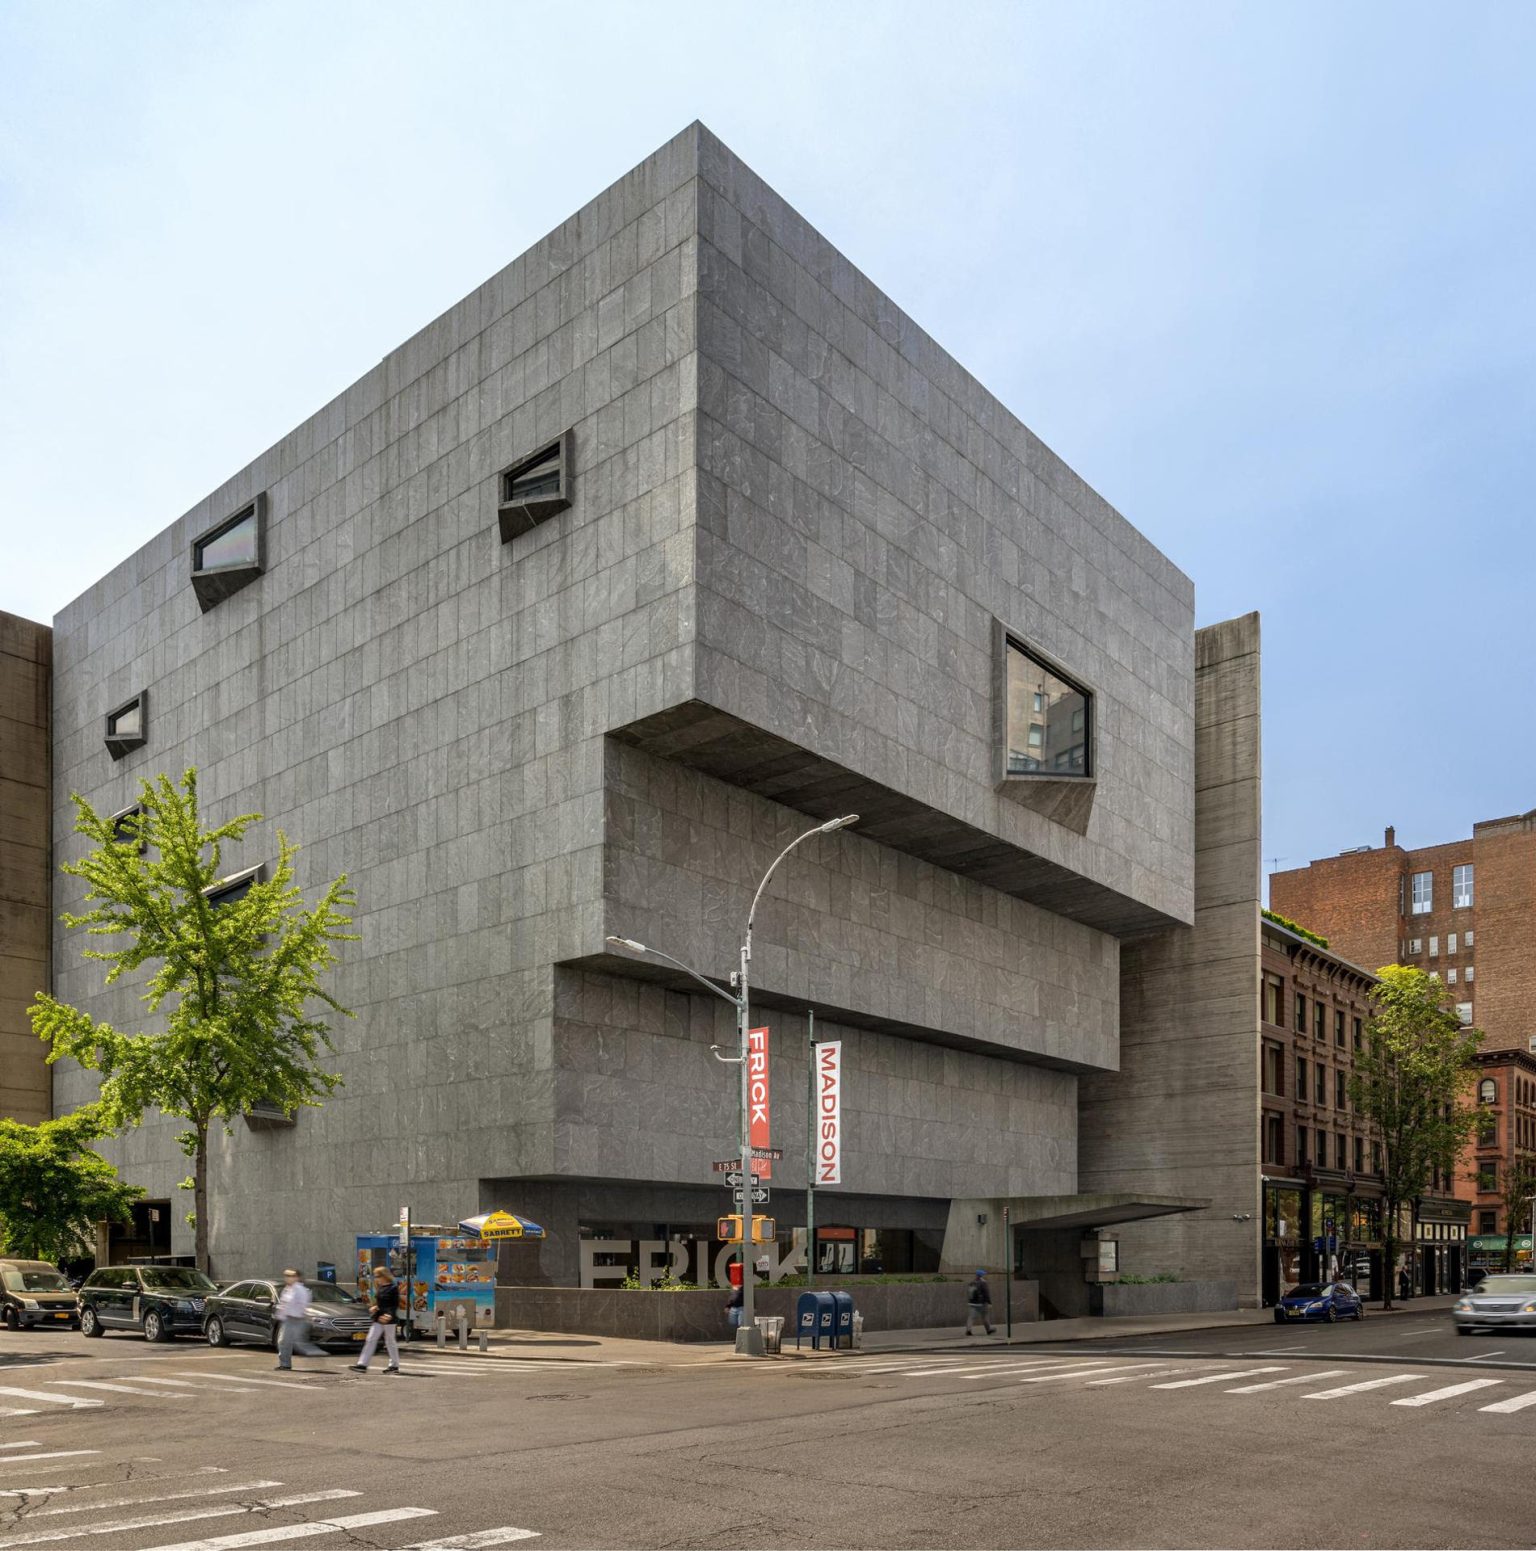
(749, 1340)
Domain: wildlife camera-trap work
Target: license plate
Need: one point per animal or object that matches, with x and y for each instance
(1293, 1313)
(360, 1335)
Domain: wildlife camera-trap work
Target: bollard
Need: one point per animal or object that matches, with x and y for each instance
(442, 1329)
(485, 1340)
(463, 1333)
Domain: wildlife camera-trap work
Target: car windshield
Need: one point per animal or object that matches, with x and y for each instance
(35, 1281)
(325, 1293)
(1307, 1290)
(1507, 1284)
(177, 1279)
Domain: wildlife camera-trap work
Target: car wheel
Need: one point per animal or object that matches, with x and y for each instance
(1333, 1314)
(1360, 1309)
(154, 1327)
(11, 1321)
(215, 1332)
(90, 1326)
(1279, 1317)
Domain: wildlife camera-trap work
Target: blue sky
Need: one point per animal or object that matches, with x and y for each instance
(1262, 274)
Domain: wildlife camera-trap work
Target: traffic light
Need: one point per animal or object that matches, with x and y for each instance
(729, 1229)
(764, 1230)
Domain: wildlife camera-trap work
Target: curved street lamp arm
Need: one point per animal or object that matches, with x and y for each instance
(708, 985)
(821, 829)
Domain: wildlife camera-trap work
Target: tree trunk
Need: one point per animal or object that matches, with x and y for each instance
(200, 1199)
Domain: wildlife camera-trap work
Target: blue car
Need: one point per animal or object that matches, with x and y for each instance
(1320, 1300)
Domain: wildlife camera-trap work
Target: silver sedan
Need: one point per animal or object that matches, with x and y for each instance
(1497, 1303)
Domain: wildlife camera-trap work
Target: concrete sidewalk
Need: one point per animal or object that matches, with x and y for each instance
(553, 1346)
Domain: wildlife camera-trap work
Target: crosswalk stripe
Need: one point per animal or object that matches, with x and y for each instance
(1514, 1403)
(476, 1540)
(198, 1385)
(18, 1410)
(120, 1389)
(280, 1532)
(995, 1367)
(1216, 1378)
(57, 1400)
(140, 1502)
(1355, 1389)
(236, 1378)
(17, 1459)
(1129, 1378)
(179, 1516)
(87, 1486)
(1071, 1373)
(1300, 1378)
(1431, 1396)
(20, 1443)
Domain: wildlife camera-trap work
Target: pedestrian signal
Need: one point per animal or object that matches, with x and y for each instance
(764, 1230)
(728, 1229)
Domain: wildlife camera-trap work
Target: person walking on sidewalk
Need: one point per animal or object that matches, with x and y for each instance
(385, 1309)
(978, 1298)
(293, 1322)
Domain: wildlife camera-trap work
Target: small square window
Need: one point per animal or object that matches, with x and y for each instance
(1047, 719)
(535, 488)
(125, 827)
(230, 555)
(1434, 947)
(1450, 976)
(1471, 973)
(1415, 944)
(235, 887)
(1469, 939)
(128, 726)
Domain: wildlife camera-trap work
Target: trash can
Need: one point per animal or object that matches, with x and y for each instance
(772, 1327)
(842, 1319)
(815, 1316)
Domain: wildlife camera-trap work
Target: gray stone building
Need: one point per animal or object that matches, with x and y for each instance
(671, 540)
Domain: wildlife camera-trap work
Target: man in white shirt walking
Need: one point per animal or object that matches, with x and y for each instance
(293, 1322)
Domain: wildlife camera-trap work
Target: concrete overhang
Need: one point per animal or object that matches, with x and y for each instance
(1095, 1211)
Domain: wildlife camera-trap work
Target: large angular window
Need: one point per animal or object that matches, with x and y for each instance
(1049, 719)
(227, 890)
(128, 726)
(126, 827)
(230, 555)
(534, 488)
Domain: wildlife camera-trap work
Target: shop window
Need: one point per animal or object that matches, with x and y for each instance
(1049, 721)
(230, 555)
(535, 488)
(128, 726)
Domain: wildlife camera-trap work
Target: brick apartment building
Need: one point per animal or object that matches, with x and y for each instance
(1320, 1160)
(1465, 910)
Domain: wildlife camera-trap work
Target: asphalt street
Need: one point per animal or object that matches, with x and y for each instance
(1384, 1434)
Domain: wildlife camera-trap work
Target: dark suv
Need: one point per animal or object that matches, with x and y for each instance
(160, 1301)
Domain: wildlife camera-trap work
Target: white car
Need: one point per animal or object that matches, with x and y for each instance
(1497, 1303)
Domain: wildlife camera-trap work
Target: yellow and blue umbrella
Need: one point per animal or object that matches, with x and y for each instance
(500, 1225)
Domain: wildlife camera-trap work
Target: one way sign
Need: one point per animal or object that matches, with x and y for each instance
(759, 1195)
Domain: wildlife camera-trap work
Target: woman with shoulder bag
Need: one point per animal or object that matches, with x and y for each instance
(385, 1309)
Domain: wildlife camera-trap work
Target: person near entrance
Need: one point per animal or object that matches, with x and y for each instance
(293, 1322)
(978, 1298)
(386, 1315)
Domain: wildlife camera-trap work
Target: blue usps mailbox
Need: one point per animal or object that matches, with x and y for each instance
(842, 1322)
(816, 1317)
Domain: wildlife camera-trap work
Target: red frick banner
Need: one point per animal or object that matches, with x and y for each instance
(757, 1098)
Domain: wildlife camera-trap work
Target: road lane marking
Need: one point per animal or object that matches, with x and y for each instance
(18, 1410)
(1481, 1355)
(1431, 1396)
(1126, 1378)
(17, 1459)
(141, 1502)
(180, 1516)
(1515, 1403)
(58, 1400)
(21, 1443)
(1216, 1378)
(1300, 1378)
(121, 1389)
(1045, 1378)
(279, 1532)
(475, 1540)
(1355, 1389)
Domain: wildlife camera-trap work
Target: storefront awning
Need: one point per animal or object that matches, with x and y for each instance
(1095, 1211)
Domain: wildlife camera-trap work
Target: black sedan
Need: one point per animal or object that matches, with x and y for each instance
(248, 1312)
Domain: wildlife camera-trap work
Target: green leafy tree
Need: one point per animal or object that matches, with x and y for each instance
(1412, 1082)
(54, 1188)
(235, 981)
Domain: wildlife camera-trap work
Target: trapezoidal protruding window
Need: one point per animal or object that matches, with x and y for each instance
(535, 488)
(128, 726)
(1050, 720)
(231, 554)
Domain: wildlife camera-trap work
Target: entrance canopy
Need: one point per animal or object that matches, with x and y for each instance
(1095, 1211)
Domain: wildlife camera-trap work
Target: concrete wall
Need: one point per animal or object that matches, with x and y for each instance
(796, 529)
(1127, 1299)
(25, 932)
(1181, 1117)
